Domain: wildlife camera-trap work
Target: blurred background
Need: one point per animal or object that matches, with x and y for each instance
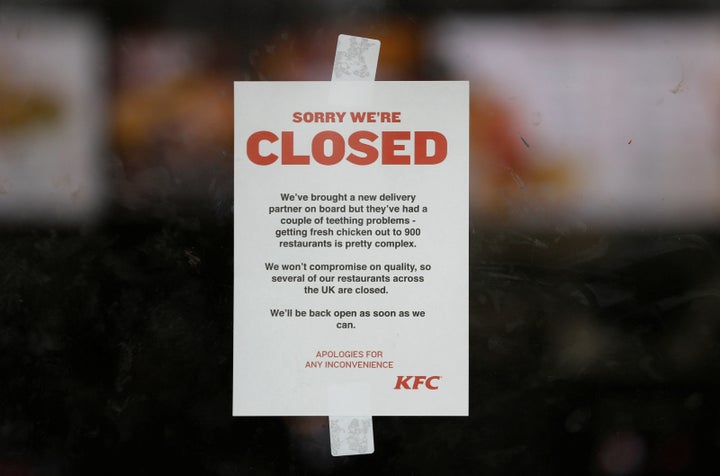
(594, 233)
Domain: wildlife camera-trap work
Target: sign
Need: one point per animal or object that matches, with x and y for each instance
(351, 248)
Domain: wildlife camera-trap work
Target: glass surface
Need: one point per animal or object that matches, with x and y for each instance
(594, 238)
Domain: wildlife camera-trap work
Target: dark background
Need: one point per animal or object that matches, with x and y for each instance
(592, 351)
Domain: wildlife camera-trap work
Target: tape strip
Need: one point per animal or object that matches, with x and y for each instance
(350, 435)
(355, 60)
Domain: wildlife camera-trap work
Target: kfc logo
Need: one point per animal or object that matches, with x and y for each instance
(414, 382)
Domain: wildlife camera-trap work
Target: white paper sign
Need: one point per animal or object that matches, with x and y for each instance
(351, 248)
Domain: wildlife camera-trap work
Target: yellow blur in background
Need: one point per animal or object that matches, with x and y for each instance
(576, 121)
